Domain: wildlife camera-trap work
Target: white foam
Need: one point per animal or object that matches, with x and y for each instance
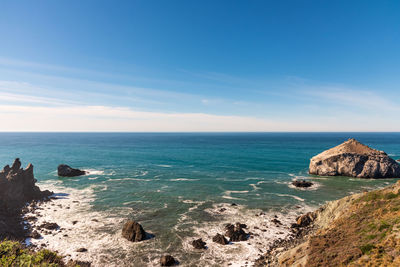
(94, 172)
(255, 187)
(164, 166)
(101, 237)
(128, 179)
(292, 196)
(182, 179)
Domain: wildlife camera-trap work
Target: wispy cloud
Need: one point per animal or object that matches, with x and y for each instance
(364, 99)
(103, 118)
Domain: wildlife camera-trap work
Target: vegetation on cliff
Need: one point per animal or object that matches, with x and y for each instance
(365, 231)
(14, 254)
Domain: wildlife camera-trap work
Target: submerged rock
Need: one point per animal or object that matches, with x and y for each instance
(199, 244)
(133, 231)
(302, 183)
(220, 239)
(167, 260)
(354, 159)
(236, 232)
(67, 171)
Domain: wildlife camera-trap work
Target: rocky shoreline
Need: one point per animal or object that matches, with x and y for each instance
(19, 196)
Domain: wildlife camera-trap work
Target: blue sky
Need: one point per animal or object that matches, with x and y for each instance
(199, 65)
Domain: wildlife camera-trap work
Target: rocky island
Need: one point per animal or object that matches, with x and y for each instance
(354, 159)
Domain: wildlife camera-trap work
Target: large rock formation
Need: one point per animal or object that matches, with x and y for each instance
(17, 186)
(355, 160)
(67, 171)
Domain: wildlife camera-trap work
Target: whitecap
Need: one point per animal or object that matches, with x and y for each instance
(164, 166)
(182, 179)
(292, 196)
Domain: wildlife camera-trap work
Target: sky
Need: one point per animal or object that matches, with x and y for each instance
(199, 66)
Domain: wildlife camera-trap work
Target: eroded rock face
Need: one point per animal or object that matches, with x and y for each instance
(67, 171)
(17, 186)
(355, 160)
(133, 231)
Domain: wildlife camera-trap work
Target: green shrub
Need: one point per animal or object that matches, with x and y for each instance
(367, 248)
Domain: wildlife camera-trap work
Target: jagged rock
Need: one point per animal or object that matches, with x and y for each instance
(199, 244)
(302, 183)
(236, 232)
(17, 186)
(133, 231)
(306, 219)
(220, 239)
(354, 159)
(167, 260)
(67, 171)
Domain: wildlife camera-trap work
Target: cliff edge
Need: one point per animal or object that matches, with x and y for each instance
(358, 230)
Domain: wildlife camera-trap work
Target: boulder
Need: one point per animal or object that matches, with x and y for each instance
(302, 183)
(236, 232)
(354, 159)
(167, 260)
(199, 244)
(66, 171)
(133, 231)
(220, 239)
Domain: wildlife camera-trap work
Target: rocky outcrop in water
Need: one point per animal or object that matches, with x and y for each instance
(133, 231)
(236, 232)
(199, 244)
(17, 186)
(354, 159)
(302, 183)
(220, 239)
(66, 171)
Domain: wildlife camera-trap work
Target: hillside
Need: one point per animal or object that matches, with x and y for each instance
(358, 230)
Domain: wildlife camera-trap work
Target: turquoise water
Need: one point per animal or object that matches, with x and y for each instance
(174, 184)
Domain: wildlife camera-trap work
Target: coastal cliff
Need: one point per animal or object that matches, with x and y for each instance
(17, 189)
(354, 159)
(357, 230)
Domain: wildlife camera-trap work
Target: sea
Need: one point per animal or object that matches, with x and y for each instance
(180, 187)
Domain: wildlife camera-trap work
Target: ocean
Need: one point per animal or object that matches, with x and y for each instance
(180, 187)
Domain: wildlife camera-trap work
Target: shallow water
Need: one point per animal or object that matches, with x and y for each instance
(175, 185)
